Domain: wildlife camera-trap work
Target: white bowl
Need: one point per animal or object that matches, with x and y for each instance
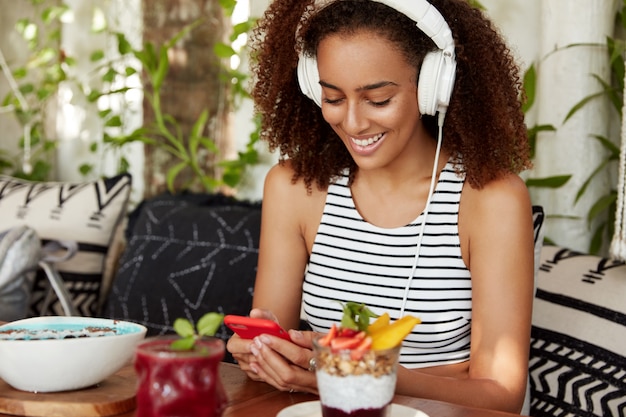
(34, 357)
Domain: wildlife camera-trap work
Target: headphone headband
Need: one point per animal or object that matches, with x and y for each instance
(438, 69)
(427, 18)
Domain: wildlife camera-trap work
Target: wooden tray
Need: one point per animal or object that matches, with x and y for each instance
(115, 395)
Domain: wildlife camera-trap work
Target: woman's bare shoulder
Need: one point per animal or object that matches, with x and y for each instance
(496, 213)
(281, 181)
(290, 201)
(508, 192)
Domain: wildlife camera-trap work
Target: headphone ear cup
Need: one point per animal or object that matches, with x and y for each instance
(427, 87)
(436, 81)
(309, 79)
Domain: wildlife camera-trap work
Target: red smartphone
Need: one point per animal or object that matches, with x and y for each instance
(248, 327)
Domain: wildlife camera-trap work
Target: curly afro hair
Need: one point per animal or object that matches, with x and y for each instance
(484, 129)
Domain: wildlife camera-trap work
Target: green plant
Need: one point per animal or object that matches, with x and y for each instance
(48, 67)
(552, 182)
(605, 206)
(603, 209)
(233, 170)
(477, 4)
(166, 134)
(33, 85)
(530, 88)
(207, 326)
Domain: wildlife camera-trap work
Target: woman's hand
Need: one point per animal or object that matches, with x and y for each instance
(285, 365)
(240, 349)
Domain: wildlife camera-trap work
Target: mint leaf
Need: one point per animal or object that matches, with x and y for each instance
(183, 328)
(209, 323)
(206, 326)
(185, 343)
(356, 316)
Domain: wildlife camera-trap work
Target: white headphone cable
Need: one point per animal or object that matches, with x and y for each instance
(425, 213)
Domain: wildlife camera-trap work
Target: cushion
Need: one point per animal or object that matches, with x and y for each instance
(87, 213)
(187, 255)
(578, 344)
(20, 252)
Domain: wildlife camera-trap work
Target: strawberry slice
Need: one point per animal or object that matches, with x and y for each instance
(346, 343)
(346, 332)
(357, 353)
(332, 333)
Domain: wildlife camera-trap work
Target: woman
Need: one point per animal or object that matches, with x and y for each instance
(365, 107)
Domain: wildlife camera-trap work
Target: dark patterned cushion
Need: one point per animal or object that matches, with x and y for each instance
(578, 346)
(185, 256)
(87, 213)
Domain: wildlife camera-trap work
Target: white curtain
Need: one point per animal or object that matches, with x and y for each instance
(564, 78)
(618, 244)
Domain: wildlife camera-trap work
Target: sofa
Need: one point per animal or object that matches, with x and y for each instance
(188, 254)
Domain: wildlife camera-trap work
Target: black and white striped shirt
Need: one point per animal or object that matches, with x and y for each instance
(353, 260)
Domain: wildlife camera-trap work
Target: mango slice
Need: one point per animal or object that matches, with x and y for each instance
(381, 322)
(392, 335)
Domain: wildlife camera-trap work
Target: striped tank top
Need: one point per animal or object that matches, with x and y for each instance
(353, 260)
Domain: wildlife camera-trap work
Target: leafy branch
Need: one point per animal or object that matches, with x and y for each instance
(48, 67)
(166, 134)
(530, 88)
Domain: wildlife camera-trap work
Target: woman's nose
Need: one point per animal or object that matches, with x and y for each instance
(355, 118)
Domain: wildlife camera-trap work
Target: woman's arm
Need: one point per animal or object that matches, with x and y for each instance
(289, 222)
(496, 229)
(290, 216)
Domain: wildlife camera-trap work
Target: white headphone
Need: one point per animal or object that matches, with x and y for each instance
(438, 68)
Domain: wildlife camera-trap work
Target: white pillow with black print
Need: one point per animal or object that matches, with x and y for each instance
(578, 346)
(87, 213)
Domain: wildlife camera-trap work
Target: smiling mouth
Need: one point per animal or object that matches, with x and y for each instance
(368, 141)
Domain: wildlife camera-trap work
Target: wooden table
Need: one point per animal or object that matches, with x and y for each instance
(247, 398)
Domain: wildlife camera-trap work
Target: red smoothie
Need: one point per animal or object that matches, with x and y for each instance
(179, 383)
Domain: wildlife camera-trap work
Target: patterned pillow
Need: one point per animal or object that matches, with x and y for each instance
(87, 213)
(578, 346)
(185, 256)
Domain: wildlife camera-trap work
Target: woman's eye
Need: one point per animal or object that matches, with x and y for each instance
(380, 103)
(332, 101)
(336, 101)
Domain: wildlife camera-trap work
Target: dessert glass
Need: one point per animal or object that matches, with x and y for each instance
(355, 386)
(175, 383)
